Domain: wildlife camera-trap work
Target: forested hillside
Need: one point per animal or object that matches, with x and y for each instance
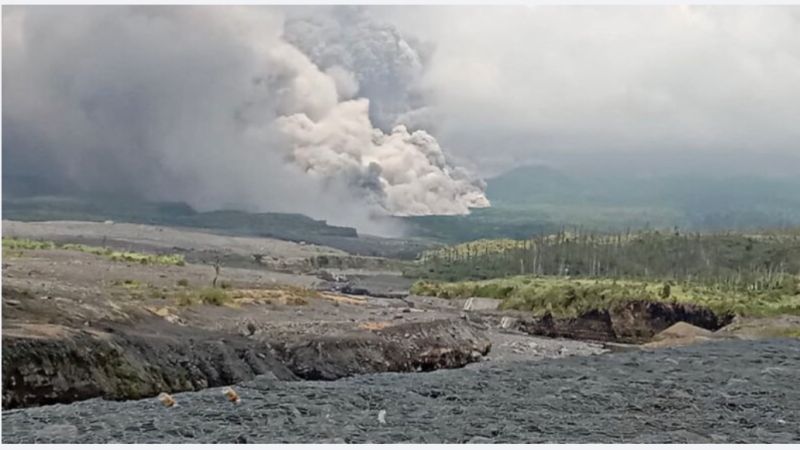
(729, 258)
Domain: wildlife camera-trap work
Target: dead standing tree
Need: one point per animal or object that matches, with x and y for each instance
(217, 264)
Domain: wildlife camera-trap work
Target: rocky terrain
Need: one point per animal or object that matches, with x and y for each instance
(318, 339)
(731, 391)
(77, 325)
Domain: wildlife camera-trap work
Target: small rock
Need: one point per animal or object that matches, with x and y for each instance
(382, 417)
(507, 322)
(231, 395)
(12, 302)
(468, 304)
(166, 400)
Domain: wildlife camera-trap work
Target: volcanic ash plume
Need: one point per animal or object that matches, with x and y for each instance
(406, 173)
(214, 107)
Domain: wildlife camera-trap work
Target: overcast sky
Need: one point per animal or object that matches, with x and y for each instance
(653, 83)
(346, 113)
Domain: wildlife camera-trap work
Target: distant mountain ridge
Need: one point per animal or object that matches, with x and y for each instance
(698, 201)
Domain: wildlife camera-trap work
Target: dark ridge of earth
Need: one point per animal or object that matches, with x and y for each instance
(733, 391)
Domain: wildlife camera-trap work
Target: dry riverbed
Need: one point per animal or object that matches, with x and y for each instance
(733, 391)
(79, 325)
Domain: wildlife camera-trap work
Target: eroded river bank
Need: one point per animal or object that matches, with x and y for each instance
(723, 391)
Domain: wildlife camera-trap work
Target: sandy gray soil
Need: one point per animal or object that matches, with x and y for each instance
(78, 289)
(729, 391)
(164, 238)
(68, 309)
(134, 334)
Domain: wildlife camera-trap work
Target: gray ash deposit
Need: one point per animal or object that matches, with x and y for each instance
(727, 391)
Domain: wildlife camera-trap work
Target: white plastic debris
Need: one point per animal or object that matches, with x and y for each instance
(382, 417)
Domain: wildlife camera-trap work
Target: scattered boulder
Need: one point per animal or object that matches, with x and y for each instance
(507, 323)
(166, 400)
(682, 330)
(782, 326)
(480, 304)
(231, 395)
(681, 333)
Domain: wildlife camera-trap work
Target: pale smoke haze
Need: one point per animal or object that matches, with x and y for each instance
(355, 113)
(212, 106)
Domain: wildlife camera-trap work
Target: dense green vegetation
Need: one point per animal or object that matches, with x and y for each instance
(736, 260)
(568, 273)
(569, 297)
(18, 246)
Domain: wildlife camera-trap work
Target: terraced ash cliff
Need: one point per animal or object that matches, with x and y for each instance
(78, 325)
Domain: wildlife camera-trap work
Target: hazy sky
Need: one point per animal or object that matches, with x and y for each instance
(650, 85)
(346, 113)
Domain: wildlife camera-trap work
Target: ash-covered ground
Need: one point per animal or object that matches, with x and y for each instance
(726, 391)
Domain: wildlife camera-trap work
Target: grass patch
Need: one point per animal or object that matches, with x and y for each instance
(15, 244)
(567, 297)
(26, 244)
(213, 296)
(283, 295)
(205, 296)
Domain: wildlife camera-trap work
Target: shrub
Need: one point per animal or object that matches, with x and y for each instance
(213, 296)
(135, 257)
(184, 299)
(27, 244)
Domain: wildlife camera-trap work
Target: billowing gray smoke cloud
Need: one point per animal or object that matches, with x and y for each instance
(213, 106)
(384, 65)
